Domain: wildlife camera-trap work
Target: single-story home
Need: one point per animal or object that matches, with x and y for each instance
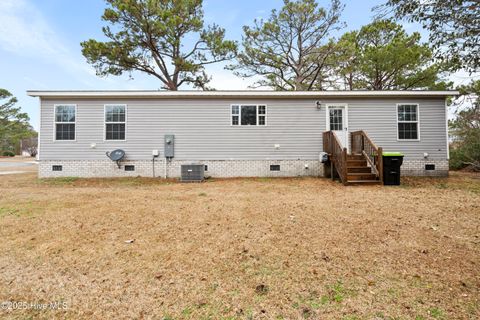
(240, 133)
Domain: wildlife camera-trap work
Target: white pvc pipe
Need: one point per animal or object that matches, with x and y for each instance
(165, 175)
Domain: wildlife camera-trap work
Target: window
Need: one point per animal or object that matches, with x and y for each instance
(262, 113)
(336, 119)
(249, 115)
(65, 122)
(235, 115)
(115, 122)
(407, 118)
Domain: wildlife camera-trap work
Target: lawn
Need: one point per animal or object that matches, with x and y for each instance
(239, 249)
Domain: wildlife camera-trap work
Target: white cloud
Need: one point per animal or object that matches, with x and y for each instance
(24, 31)
(463, 77)
(22, 28)
(226, 80)
(35, 83)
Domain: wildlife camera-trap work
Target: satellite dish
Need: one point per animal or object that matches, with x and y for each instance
(116, 155)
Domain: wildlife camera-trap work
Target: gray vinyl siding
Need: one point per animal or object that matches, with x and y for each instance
(379, 120)
(203, 132)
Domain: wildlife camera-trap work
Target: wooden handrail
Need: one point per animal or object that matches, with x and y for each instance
(337, 153)
(365, 136)
(362, 144)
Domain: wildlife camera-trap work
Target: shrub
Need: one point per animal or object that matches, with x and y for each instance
(467, 152)
(466, 129)
(8, 154)
(456, 159)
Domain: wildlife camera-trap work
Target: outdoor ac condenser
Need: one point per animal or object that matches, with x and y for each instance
(192, 172)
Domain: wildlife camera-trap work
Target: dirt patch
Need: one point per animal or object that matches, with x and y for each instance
(240, 248)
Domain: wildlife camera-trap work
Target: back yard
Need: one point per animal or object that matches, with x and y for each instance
(239, 249)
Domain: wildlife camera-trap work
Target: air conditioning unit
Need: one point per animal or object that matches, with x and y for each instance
(192, 172)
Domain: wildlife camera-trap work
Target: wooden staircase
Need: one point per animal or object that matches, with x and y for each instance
(364, 166)
(358, 171)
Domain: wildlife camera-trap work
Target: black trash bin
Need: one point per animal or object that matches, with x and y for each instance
(392, 161)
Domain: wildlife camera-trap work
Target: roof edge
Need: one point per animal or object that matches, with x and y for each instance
(233, 94)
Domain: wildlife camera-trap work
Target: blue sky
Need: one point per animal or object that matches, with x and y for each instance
(40, 43)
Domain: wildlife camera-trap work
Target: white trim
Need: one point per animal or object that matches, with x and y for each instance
(345, 124)
(446, 130)
(235, 94)
(259, 115)
(240, 105)
(231, 115)
(55, 121)
(40, 130)
(417, 122)
(105, 123)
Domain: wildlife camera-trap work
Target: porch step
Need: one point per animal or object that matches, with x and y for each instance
(356, 163)
(355, 157)
(358, 170)
(363, 182)
(361, 176)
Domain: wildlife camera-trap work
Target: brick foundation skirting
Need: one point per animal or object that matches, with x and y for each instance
(215, 168)
(417, 168)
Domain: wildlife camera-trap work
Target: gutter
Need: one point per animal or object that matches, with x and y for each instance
(145, 94)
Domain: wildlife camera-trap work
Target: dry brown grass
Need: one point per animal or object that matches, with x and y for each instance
(241, 249)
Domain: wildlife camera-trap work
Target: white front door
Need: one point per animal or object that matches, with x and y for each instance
(337, 121)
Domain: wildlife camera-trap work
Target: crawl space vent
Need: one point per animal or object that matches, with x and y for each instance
(429, 167)
(129, 168)
(274, 167)
(57, 168)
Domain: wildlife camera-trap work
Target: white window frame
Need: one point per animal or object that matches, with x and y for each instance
(259, 115)
(417, 122)
(105, 121)
(55, 122)
(240, 114)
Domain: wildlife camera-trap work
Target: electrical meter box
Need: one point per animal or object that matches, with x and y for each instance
(169, 144)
